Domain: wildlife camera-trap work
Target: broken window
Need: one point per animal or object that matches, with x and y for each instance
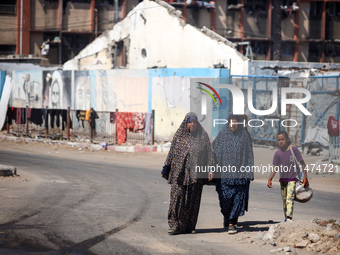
(315, 11)
(8, 7)
(332, 50)
(259, 47)
(7, 49)
(287, 48)
(333, 9)
(256, 6)
(314, 52)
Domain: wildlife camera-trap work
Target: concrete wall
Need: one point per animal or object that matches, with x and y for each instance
(77, 17)
(151, 45)
(221, 17)
(304, 20)
(170, 95)
(254, 26)
(36, 40)
(293, 69)
(9, 36)
(44, 16)
(288, 27)
(91, 62)
(105, 17)
(233, 29)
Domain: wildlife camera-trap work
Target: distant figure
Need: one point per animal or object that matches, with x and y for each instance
(284, 163)
(190, 148)
(93, 117)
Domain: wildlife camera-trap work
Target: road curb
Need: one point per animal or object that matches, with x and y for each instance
(93, 147)
(7, 170)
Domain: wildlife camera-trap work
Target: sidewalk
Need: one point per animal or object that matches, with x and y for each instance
(95, 146)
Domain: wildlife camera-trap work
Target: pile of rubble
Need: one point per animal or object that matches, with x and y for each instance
(316, 236)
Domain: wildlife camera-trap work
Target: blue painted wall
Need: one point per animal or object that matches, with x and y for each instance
(184, 72)
(2, 81)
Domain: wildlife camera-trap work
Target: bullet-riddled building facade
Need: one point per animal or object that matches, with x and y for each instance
(310, 29)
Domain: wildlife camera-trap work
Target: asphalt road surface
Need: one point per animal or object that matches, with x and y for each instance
(67, 201)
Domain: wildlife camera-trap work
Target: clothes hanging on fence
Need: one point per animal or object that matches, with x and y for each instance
(58, 113)
(147, 129)
(87, 115)
(64, 119)
(37, 116)
(112, 117)
(55, 117)
(17, 117)
(52, 116)
(333, 126)
(124, 121)
(20, 116)
(139, 120)
(81, 117)
(28, 110)
(13, 114)
(45, 116)
(9, 116)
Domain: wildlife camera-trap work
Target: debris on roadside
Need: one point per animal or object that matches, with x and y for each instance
(315, 236)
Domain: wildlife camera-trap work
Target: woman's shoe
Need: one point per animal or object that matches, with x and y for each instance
(232, 229)
(174, 231)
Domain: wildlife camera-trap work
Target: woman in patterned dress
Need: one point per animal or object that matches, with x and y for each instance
(190, 147)
(234, 153)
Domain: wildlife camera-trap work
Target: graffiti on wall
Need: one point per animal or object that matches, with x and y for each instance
(80, 90)
(27, 89)
(57, 89)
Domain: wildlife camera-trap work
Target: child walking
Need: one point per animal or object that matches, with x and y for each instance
(285, 164)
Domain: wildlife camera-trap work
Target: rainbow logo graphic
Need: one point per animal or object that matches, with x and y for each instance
(209, 93)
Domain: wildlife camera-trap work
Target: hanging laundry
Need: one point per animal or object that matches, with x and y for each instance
(64, 119)
(112, 117)
(45, 116)
(37, 116)
(124, 121)
(9, 115)
(18, 113)
(333, 126)
(87, 117)
(29, 110)
(147, 129)
(81, 117)
(138, 118)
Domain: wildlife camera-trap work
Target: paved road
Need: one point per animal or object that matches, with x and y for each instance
(95, 203)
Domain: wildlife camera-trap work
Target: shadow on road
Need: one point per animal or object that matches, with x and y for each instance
(246, 226)
(255, 226)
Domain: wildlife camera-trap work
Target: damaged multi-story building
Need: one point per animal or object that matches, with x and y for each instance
(54, 31)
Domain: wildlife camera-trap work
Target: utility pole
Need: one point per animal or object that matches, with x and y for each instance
(60, 31)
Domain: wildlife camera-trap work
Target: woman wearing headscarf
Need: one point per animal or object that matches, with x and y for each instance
(189, 157)
(234, 154)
